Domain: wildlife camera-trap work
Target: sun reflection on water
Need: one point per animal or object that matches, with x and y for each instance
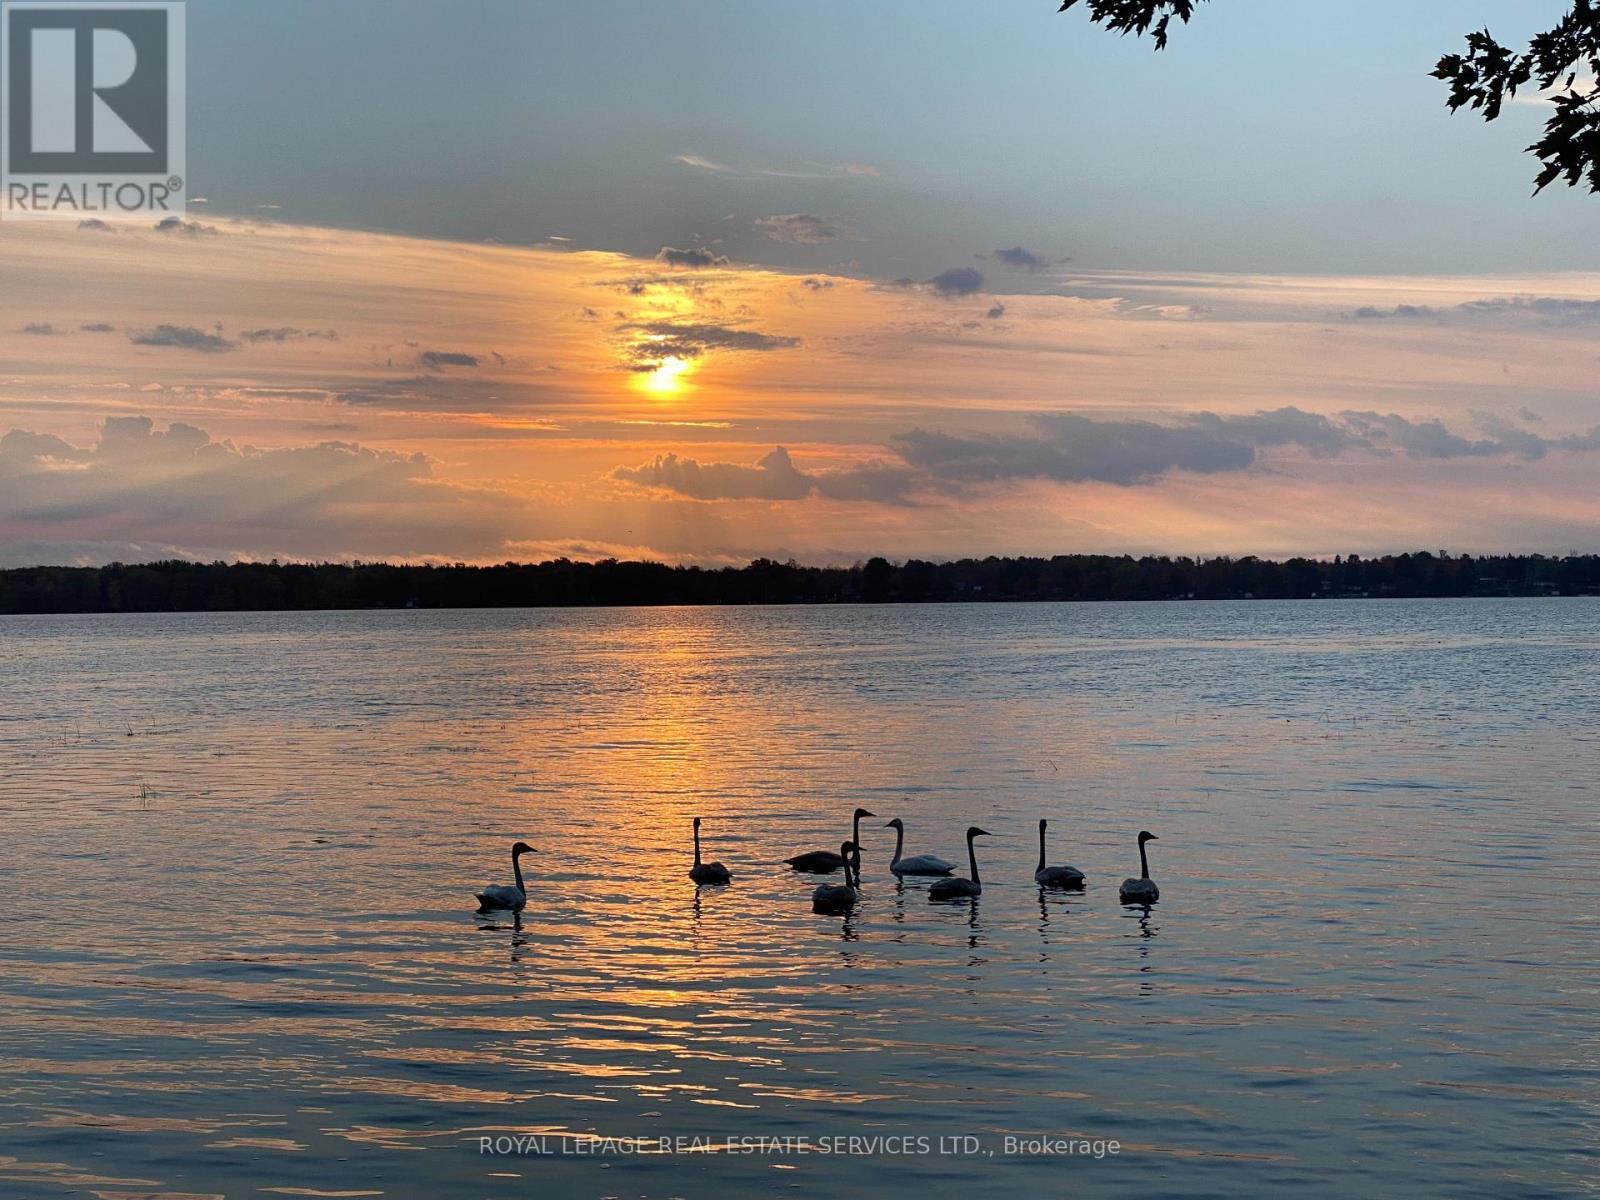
(294, 972)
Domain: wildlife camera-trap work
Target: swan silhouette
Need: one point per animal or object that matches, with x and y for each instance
(826, 862)
(499, 897)
(1142, 890)
(921, 864)
(704, 872)
(955, 888)
(1056, 877)
(835, 897)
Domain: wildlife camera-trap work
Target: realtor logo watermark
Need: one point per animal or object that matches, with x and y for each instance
(93, 110)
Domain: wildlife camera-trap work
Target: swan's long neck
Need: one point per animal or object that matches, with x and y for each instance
(972, 859)
(697, 845)
(516, 869)
(1144, 863)
(855, 829)
(899, 843)
(1041, 846)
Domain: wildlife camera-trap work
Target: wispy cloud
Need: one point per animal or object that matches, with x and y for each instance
(287, 333)
(755, 171)
(207, 497)
(1583, 84)
(701, 163)
(805, 229)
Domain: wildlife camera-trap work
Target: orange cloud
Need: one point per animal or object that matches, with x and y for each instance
(1111, 411)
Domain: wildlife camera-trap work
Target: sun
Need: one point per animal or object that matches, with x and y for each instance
(668, 378)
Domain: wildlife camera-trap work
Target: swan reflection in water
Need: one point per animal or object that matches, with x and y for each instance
(976, 939)
(1143, 937)
(1054, 898)
(898, 916)
(1142, 913)
(519, 939)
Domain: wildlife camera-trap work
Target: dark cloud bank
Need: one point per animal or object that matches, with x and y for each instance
(957, 281)
(1555, 310)
(1072, 448)
(1023, 260)
(181, 337)
(435, 359)
(774, 477)
(686, 340)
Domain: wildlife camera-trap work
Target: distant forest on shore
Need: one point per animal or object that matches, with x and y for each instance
(179, 586)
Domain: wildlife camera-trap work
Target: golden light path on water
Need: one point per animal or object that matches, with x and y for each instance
(239, 953)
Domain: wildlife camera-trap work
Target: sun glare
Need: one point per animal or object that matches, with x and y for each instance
(668, 378)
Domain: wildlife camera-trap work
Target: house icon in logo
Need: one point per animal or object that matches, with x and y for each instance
(93, 101)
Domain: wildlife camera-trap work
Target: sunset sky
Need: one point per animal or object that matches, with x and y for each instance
(704, 282)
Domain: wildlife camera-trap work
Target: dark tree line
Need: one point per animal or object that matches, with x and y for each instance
(225, 587)
(1564, 60)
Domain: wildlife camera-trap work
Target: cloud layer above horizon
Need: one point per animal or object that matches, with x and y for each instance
(278, 390)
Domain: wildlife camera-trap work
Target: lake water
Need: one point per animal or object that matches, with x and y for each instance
(238, 953)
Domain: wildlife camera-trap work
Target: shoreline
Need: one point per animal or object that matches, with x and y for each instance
(184, 586)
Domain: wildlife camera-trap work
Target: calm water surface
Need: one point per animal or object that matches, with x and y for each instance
(238, 955)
